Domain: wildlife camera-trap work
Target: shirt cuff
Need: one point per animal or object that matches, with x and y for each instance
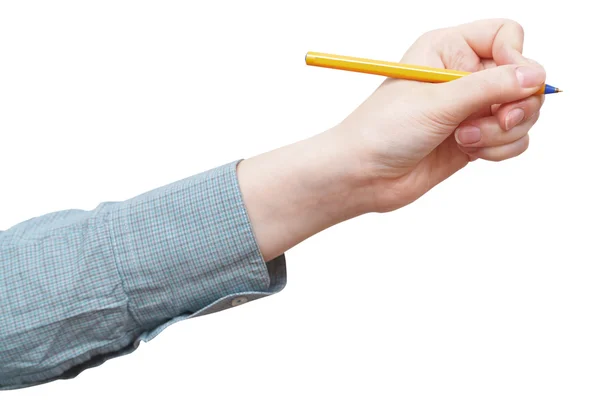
(188, 249)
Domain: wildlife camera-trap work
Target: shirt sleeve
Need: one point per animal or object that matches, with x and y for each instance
(80, 287)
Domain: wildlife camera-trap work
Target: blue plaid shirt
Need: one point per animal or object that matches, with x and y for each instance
(80, 287)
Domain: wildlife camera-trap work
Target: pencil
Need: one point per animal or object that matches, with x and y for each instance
(395, 70)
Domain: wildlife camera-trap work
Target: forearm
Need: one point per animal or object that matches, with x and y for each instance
(298, 190)
(111, 277)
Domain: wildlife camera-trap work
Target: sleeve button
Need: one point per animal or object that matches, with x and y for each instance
(238, 301)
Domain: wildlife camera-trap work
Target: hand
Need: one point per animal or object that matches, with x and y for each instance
(409, 136)
(403, 140)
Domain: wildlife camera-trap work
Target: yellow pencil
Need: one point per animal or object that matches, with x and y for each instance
(394, 70)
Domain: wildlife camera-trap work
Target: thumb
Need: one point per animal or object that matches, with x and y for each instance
(463, 97)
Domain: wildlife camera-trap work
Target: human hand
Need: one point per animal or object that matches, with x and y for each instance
(403, 140)
(409, 136)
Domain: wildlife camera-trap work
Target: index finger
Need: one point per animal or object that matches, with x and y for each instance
(497, 39)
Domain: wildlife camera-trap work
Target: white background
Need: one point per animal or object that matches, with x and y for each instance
(485, 291)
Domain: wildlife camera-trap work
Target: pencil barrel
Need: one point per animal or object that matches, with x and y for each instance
(388, 69)
(381, 68)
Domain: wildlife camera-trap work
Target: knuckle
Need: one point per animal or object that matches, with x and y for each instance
(513, 25)
(521, 145)
(459, 58)
(432, 36)
(525, 142)
(536, 103)
(493, 157)
(535, 117)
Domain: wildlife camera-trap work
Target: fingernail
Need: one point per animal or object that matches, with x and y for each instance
(514, 118)
(530, 76)
(468, 135)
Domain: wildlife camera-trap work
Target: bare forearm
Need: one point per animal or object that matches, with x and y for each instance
(296, 191)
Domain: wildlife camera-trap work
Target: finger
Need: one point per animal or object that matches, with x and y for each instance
(443, 48)
(459, 99)
(487, 132)
(512, 114)
(492, 110)
(488, 63)
(497, 39)
(498, 153)
(485, 111)
(462, 47)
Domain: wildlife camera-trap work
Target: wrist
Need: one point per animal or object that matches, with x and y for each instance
(296, 191)
(338, 171)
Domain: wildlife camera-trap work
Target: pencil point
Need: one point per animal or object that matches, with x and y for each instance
(551, 89)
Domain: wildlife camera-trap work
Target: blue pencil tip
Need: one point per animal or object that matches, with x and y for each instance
(551, 89)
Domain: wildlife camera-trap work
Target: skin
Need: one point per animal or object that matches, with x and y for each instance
(402, 141)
